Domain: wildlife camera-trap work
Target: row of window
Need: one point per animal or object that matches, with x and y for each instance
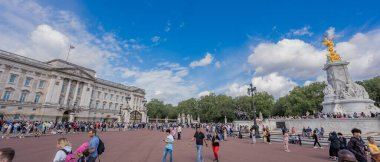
(24, 94)
(28, 81)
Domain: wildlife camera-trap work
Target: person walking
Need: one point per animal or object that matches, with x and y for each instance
(179, 132)
(334, 146)
(316, 139)
(286, 141)
(93, 148)
(215, 146)
(168, 146)
(199, 138)
(65, 149)
(253, 136)
(356, 145)
(268, 135)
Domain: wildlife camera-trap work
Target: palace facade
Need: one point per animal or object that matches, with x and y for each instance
(60, 91)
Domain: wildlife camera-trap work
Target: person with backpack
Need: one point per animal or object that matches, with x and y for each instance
(94, 144)
(334, 146)
(64, 154)
(316, 139)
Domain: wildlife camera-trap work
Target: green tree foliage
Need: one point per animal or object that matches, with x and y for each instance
(301, 100)
(213, 108)
(372, 86)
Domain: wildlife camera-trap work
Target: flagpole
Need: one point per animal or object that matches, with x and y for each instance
(68, 53)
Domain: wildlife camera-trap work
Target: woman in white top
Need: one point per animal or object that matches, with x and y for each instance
(60, 156)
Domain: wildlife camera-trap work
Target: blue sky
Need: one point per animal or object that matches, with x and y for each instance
(181, 49)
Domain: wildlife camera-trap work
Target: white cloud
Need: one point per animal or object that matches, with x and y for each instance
(288, 57)
(203, 62)
(171, 87)
(218, 65)
(44, 33)
(363, 53)
(236, 90)
(330, 32)
(300, 32)
(204, 93)
(155, 39)
(274, 84)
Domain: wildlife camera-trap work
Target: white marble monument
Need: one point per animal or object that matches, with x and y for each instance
(342, 94)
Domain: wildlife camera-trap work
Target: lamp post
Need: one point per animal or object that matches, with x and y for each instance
(251, 91)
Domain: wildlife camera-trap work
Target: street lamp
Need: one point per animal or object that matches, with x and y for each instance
(251, 91)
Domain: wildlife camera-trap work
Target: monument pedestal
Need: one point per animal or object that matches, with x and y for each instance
(342, 95)
(72, 117)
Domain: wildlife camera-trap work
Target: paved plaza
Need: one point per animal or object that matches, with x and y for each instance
(147, 146)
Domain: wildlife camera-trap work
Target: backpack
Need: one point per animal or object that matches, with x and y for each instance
(69, 156)
(101, 147)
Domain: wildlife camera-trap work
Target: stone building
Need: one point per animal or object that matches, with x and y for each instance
(58, 90)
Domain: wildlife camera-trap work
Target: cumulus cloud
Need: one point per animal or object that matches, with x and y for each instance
(288, 57)
(203, 62)
(45, 33)
(300, 32)
(204, 93)
(165, 82)
(274, 84)
(236, 90)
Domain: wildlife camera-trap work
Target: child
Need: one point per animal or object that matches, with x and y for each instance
(286, 142)
(299, 139)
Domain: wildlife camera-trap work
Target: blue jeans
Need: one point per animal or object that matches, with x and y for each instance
(170, 153)
(199, 153)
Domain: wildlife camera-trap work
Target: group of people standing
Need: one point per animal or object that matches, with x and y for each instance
(89, 151)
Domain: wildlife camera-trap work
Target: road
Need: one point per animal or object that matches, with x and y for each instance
(147, 146)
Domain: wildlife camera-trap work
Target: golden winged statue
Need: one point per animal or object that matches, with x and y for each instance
(333, 56)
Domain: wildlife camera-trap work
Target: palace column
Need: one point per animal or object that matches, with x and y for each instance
(67, 93)
(76, 92)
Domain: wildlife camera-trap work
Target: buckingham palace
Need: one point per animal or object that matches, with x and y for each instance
(61, 91)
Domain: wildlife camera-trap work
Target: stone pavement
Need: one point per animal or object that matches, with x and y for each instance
(147, 146)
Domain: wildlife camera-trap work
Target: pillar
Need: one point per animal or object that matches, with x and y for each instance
(76, 93)
(119, 118)
(225, 120)
(67, 93)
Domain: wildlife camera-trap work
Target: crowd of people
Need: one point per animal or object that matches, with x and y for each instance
(215, 134)
(330, 116)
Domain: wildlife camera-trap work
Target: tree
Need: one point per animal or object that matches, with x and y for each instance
(372, 86)
(156, 109)
(301, 100)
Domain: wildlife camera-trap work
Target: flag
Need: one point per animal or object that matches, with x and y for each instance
(71, 46)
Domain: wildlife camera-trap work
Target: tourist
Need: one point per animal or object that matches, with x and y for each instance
(294, 131)
(6, 131)
(253, 133)
(346, 156)
(299, 139)
(7, 154)
(179, 132)
(224, 133)
(334, 146)
(373, 149)
(286, 142)
(64, 149)
(215, 146)
(94, 143)
(356, 145)
(321, 133)
(316, 139)
(265, 135)
(168, 146)
(268, 135)
(199, 140)
(343, 141)
(82, 152)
